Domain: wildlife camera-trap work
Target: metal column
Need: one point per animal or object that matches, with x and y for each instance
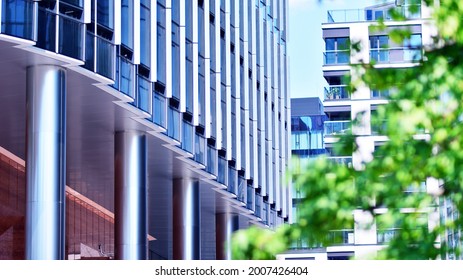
(45, 162)
(186, 219)
(226, 224)
(130, 169)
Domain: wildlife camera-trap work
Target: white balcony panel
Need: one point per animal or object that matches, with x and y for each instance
(168, 46)
(136, 32)
(153, 40)
(117, 22)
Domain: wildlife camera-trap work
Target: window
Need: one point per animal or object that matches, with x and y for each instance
(337, 50)
(379, 51)
(412, 48)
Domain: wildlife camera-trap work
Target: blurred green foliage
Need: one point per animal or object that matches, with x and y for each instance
(425, 140)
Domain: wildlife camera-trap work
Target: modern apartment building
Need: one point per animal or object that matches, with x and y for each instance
(141, 129)
(341, 31)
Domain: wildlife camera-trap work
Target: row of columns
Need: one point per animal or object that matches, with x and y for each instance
(46, 181)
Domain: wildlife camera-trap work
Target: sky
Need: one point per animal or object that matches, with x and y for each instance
(306, 46)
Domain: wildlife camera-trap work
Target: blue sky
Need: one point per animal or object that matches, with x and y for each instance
(305, 45)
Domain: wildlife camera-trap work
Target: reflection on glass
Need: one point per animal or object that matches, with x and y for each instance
(143, 95)
(159, 109)
(17, 18)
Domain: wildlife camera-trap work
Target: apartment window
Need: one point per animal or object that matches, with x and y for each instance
(412, 48)
(379, 48)
(337, 50)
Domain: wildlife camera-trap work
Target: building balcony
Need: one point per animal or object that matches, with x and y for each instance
(336, 92)
(395, 55)
(344, 160)
(411, 11)
(341, 237)
(379, 94)
(336, 127)
(386, 235)
(340, 57)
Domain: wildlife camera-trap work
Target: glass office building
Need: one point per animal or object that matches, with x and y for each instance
(141, 129)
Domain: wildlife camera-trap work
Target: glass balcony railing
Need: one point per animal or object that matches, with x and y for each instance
(125, 76)
(232, 186)
(336, 127)
(386, 235)
(211, 166)
(379, 94)
(336, 92)
(344, 160)
(242, 189)
(222, 170)
(105, 57)
(341, 237)
(18, 18)
(143, 98)
(409, 11)
(187, 137)
(159, 109)
(395, 55)
(71, 37)
(250, 198)
(200, 149)
(258, 205)
(336, 57)
(173, 123)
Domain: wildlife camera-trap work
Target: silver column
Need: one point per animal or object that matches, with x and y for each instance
(226, 224)
(45, 162)
(186, 219)
(130, 169)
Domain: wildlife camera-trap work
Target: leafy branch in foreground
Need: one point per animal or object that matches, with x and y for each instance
(423, 127)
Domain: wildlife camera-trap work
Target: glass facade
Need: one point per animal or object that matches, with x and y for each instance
(215, 78)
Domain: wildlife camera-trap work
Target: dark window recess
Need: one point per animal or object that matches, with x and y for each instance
(279, 213)
(272, 206)
(143, 71)
(265, 96)
(70, 10)
(187, 116)
(211, 142)
(273, 106)
(174, 103)
(104, 32)
(200, 3)
(159, 88)
(200, 130)
(286, 219)
(222, 33)
(232, 163)
(241, 60)
(250, 73)
(279, 116)
(47, 4)
(258, 190)
(125, 52)
(258, 85)
(265, 198)
(250, 182)
(211, 18)
(222, 153)
(232, 47)
(241, 173)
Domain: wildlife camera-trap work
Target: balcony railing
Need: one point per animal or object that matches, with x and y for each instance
(344, 160)
(411, 11)
(379, 94)
(336, 127)
(336, 92)
(341, 237)
(386, 235)
(341, 57)
(395, 55)
(18, 18)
